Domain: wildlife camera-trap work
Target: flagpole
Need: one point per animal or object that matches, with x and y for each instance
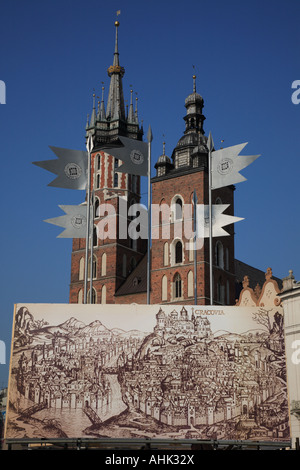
(195, 247)
(210, 220)
(92, 243)
(89, 147)
(149, 138)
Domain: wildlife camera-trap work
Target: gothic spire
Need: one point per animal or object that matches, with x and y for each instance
(115, 104)
(136, 111)
(102, 108)
(93, 117)
(131, 114)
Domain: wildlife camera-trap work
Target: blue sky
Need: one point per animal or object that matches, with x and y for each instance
(53, 54)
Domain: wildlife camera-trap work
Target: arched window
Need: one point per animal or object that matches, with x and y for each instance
(227, 259)
(190, 278)
(116, 180)
(178, 209)
(98, 161)
(164, 288)
(177, 286)
(98, 181)
(124, 267)
(81, 269)
(80, 297)
(95, 238)
(103, 295)
(178, 252)
(166, 254)
(94, 267)
(103, 265)
(219, 255)
(96, 208)
(94, 296)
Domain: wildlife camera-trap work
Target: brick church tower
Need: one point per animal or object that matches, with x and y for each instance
(119, 268)
(113, 258)
(172, 276)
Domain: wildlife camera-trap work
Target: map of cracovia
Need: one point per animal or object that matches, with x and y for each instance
(137, 371)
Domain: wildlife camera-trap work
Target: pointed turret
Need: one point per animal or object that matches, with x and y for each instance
(131, 113)
(136, 111)
(102, 116)
(115, 105)
(106, 124)
(163, 164)
(93, 117)
(194, 118)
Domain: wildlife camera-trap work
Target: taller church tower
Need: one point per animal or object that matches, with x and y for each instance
(113, 258)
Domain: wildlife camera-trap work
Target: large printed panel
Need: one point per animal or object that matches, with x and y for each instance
(137, 371)
(292, 337)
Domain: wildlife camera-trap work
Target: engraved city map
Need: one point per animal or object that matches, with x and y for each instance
(147, 371)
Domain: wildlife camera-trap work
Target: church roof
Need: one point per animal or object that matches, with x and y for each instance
(136, 282)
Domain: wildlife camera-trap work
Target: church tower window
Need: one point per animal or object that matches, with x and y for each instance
(166, 254)
(80, 297)
(81, 269)
(219, 255)
(178, 252)
(94, 296)
(95, 238)
(177, 285)
(94, 268)
(96, 208)
(164, 289)
(103, 295)
(190, 283)
(103, 265)
(178, 209)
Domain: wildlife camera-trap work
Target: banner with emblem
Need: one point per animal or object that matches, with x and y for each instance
(226, 164)
(70, 167)
(74, 221)
(134, 155)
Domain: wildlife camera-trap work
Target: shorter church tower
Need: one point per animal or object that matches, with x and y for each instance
(172, 262)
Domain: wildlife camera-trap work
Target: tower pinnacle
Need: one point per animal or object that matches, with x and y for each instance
(107, 122)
